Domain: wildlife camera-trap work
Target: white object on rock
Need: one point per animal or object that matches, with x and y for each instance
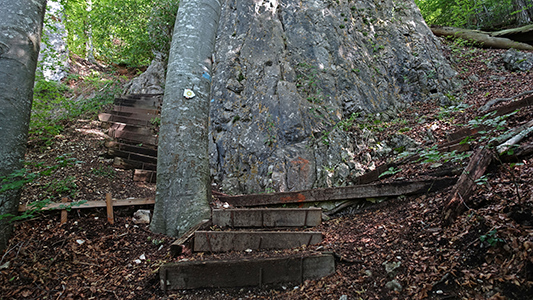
(142, 216)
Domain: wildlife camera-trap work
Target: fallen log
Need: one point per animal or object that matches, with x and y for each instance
(523, 131)
(484, 39)
(463, 189)
(490, 103)
(521, 34)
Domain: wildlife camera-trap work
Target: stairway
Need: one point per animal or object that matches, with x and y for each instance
(250, 230)
(133, 124)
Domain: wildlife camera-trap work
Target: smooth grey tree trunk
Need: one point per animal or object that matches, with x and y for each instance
(183, 181)
(21, 24)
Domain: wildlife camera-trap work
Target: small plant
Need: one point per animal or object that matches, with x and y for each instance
(62, 187)
(156, 121)
(105, 171)
(491, 238)
(390, 171)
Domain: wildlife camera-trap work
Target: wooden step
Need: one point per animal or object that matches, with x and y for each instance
(134, 137)
(267, 217)
(146, 103)
(132, 156)
(144, 176)
(105, 117)
(124, 163)
(223, 241)
(149, 151)
(140, 111)
(244, 272)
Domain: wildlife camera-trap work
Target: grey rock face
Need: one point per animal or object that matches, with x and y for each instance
(150, 81)
(287, 72)
(514, 60)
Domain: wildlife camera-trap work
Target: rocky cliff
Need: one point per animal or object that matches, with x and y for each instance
(287, 73)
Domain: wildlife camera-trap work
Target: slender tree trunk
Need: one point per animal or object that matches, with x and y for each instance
(183, 179)
(21, 24)
(524, 10)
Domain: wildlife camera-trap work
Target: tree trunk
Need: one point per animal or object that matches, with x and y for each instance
(524, 11)
(183, 179)
(20, 35)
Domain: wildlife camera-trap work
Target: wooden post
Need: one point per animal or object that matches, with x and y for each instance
(64, 211)
(109, 205)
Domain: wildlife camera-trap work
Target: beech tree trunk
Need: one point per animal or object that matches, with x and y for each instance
(21, 24)
(183, 178)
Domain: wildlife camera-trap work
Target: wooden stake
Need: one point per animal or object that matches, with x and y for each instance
(109, 205)
(64, 211)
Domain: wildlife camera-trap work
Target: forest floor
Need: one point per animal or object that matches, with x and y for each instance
(487, 253)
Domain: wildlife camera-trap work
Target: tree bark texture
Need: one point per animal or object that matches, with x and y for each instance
(183, 179)
(21, 24)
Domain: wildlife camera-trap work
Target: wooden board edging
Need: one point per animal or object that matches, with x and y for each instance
(95, 204)
(341, 193)
(245, 272)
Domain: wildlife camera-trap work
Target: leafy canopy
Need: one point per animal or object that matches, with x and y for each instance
(119, 31)
(473, 14)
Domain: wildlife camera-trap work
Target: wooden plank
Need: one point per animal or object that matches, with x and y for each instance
(144, 176)
(463, 189)
(245, 272)
(223, 241)
(96, 204)
(184, 241)
(139, 116)
(377, 190)
(120, 127)
(267, 217)
(133, 137)
(132, 156)
(105, 117)
(145, 150)
(120, 162)
(145, 103)
(138, 111)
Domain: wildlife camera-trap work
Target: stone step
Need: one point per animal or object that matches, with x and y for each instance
(224, 241)
(245, 272)
(267, 217)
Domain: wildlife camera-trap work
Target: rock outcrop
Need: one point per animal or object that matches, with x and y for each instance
(287, 73)
(150, 81)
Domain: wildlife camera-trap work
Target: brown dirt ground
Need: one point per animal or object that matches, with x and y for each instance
(486, 254)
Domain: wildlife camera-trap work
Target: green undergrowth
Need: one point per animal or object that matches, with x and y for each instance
(55, 188)
(56, 103)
